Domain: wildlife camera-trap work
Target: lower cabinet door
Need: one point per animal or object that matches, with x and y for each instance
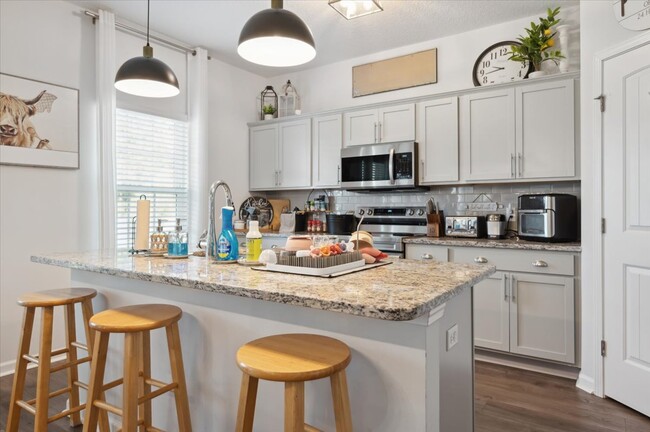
(542, 317)
(491, 306)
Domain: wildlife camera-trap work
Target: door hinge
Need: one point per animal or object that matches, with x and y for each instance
(603, 348)
(601, 98)
(602, 226)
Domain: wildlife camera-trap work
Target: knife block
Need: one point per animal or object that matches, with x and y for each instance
(436, 225)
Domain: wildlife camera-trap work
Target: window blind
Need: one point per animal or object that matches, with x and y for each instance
(151, 158)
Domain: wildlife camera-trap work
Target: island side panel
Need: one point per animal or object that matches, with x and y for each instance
(387, 376)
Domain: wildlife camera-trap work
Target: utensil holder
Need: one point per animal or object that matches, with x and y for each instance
(435, 225)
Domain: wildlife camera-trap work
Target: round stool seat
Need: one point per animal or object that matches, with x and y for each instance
(56, 297)
(293, 357)
(136, 318)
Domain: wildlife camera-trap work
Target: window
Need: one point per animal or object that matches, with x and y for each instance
(151, 158)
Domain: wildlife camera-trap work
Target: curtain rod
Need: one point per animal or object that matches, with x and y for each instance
(185, 48)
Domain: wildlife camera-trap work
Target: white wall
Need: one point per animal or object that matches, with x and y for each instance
(600, 31)
(42, 208)
(330, 86)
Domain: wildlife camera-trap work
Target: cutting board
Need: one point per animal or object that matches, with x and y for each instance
(279, 205)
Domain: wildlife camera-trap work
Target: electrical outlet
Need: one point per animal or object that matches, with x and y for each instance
(452, 337)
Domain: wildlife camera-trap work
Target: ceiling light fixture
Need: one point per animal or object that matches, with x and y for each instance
(355, 8)
(276, 37)
(146, 76)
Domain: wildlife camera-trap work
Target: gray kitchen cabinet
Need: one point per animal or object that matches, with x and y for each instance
(280, 156)
(437, 135)
(546, 130)
(487, 135)
(491, 313)
(386, 124)
(327, 140)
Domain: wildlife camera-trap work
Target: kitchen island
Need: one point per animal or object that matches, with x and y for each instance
(409, 325)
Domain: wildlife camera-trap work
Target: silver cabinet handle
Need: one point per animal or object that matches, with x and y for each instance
(513, 288)
(427, 256)
(379, 134)
(520, 164)
(540, 263)
(276, 177)
(505, 288)
(480, 260)
(375, 131)
(338, 174)
(512, 165)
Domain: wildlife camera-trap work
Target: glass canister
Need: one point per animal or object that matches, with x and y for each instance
(289, 101)
(268, 104)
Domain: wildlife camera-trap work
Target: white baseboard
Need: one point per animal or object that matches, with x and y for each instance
(586, 383)
(9, 367)
(532, 365)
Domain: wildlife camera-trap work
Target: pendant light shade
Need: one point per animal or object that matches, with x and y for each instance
(276, 37)
(146, 76)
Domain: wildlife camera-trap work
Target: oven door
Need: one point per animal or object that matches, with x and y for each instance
(379, 166)
(537, 224)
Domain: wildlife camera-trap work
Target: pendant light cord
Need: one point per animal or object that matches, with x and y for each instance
(148, 12)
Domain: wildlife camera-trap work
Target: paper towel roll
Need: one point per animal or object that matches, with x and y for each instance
(142, 225)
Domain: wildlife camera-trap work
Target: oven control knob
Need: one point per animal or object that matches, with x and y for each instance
(369, 212)
(361, 211)
(420, 212)
(411, 212)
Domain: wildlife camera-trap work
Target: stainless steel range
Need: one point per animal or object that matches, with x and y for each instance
(389, 225)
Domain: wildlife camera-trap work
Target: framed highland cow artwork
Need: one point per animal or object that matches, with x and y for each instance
(39, 123)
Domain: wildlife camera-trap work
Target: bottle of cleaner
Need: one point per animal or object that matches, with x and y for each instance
(253, 242)
(227, 245)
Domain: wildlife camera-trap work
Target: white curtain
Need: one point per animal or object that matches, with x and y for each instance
(105, 76)
(197, 100)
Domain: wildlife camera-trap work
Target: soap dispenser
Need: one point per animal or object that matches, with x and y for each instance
(227, 245)
(177, 241)
(159, 240)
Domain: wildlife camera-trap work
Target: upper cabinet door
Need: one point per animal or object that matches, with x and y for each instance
(438, 140)
(327, 139)
(360, 127)
(545, 130)
(294, 169)
(262, 160)
(488, 135)
(396, 123)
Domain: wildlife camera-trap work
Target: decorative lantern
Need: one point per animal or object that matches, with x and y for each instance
(289, 100)
(268, 103)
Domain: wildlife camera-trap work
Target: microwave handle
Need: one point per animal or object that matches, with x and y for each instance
(391, 166)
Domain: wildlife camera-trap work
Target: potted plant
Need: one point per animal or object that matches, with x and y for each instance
(536, 48)
(268, 111)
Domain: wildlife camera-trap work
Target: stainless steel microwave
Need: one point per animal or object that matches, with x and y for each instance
(380, 166)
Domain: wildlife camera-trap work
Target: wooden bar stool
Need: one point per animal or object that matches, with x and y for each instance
(47, 301)
(294, 359)
(136, 322)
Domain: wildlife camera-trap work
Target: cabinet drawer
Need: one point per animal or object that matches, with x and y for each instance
(518, 260)
(427, 252)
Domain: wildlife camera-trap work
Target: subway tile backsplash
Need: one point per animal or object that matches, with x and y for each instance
(449, 197)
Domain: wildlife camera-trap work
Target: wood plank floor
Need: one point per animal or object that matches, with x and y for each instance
(507, 400)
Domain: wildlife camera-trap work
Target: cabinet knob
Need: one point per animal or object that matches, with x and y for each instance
(427, 256)
(540, 263)
(480, 260)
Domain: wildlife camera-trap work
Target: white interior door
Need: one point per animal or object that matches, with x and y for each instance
(626, 243)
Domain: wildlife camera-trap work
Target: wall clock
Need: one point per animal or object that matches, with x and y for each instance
(493, 66)
(632, 14)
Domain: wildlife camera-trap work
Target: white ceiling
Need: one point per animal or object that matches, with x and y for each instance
(216, 24)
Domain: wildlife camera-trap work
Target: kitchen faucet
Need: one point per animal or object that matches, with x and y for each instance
(211, 245)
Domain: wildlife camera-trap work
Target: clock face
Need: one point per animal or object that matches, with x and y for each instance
(493, 66)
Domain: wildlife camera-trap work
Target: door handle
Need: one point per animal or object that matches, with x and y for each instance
(480, 260)
(275, 173)
(520, 164)
(422, 170)
(505, 288)
(513, 289)
(540, 263)
(427, 256)
(512, 165)
(391, 166)
(280, 178)
(379, 134)
(338, 174)
(375, 131)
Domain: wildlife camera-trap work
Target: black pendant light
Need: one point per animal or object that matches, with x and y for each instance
(276, 37)
(146, 76)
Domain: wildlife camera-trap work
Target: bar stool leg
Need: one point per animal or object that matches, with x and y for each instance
(43, 377)
(100, 348)
(73, 373)
(18, 387)
(246, 410)
(130, 389)
(294, 406)
(341, 400)
(178, 376)
(87, 312)
(145, 367)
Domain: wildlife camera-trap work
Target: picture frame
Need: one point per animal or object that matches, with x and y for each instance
(39, 123)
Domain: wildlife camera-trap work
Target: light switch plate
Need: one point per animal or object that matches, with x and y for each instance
(452, 337)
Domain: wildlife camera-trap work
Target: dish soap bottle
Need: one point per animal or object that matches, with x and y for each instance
(177, 241)
(227, 245)
(253, 242)
(159, 240)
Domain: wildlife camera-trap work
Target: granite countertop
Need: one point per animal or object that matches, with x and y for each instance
(400, 291)
(497, 244)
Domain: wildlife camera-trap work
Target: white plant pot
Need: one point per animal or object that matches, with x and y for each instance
(536, 74)
(268, 116)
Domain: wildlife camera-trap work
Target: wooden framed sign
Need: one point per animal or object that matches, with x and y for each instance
(632, 14)
(401, 72)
